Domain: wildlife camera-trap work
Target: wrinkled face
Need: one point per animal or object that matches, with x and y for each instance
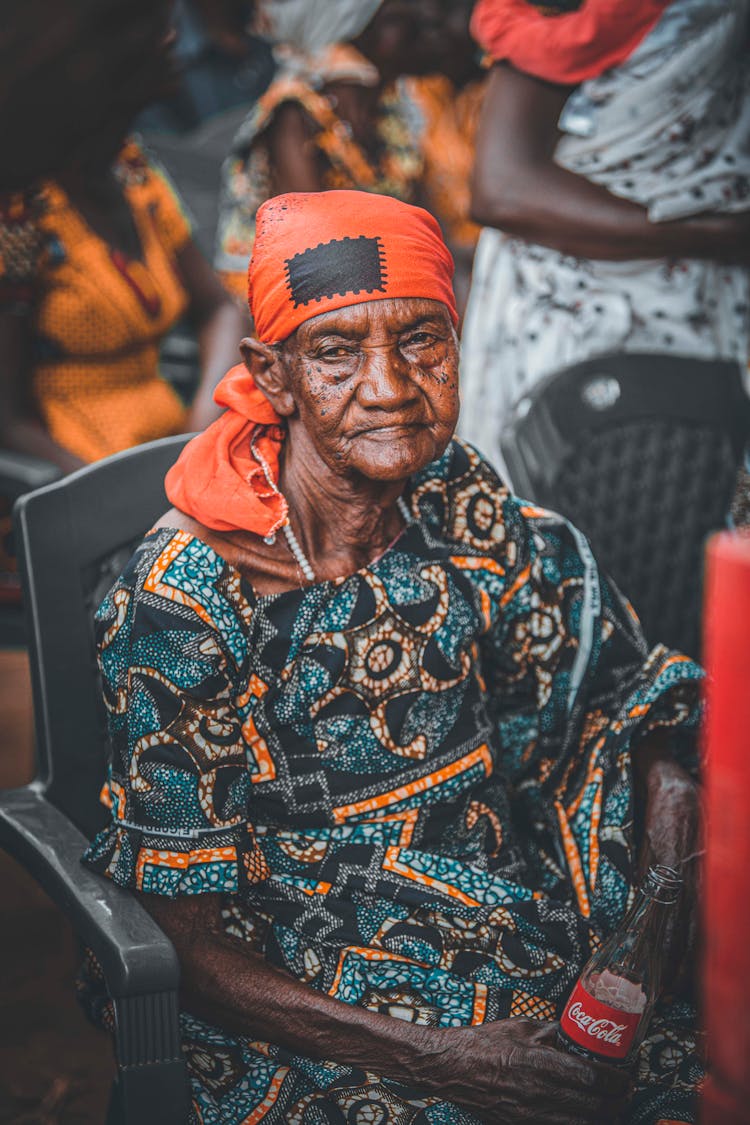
(376, 385)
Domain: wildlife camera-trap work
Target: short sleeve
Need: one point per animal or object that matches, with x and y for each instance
(245, 184)
(22, 249)
(179, 786)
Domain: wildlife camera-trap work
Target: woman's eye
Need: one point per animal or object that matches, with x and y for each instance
(419, 339)
(334, 353)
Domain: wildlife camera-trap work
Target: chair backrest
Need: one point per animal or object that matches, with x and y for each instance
(641, 452)
(73, 538)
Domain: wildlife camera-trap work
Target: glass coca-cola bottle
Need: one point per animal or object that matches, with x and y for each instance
(609, 1009)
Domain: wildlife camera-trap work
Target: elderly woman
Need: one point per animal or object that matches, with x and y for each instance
(382, 733)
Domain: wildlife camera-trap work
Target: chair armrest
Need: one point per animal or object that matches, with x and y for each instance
(21, 472)
(136, 957)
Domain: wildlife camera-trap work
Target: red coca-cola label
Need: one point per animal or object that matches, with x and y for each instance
(599, 1028)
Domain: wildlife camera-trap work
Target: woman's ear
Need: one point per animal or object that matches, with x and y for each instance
(269, 372)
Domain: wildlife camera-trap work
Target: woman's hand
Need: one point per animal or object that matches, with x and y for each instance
(509, 1071)
(512, 1071)
(672, 835)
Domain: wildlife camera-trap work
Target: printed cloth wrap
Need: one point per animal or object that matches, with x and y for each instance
(393, 165)
(412, 786)
(563, 42)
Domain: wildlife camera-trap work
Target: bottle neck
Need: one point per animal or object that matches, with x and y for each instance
(648, 914)
(644, 927)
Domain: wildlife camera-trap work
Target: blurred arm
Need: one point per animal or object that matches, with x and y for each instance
(518, 187)
(220, 324)
(293, 159)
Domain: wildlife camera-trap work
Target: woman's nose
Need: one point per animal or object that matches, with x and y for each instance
(386, 381)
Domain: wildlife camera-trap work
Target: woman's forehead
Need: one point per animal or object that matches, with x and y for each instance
(390, 315)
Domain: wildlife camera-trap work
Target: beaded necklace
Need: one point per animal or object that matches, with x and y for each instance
(301, 558)
(292, 541)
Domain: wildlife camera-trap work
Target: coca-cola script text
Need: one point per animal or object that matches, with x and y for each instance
(598, 1027)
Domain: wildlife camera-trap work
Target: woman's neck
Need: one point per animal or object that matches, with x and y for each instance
(342, 523)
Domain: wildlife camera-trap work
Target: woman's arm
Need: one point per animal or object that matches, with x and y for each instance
(508, 1070)
(294, 161)
(220, 323)
(20, 430)
(669, 810)
(518, 187)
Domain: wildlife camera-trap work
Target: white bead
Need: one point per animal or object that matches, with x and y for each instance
(298, 553)
(403, 508)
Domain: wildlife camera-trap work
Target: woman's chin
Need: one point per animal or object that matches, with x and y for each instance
(393, 457)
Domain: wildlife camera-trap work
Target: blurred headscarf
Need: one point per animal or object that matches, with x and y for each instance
(310, 25)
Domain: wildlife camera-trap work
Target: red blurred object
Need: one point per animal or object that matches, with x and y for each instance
(726, 985)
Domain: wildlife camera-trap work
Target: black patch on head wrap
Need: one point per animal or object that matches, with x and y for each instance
(345, 265)
(556, 7)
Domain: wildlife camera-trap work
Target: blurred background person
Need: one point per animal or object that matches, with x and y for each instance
(73, 77)
(96, 266)
(335, 117)
(451, 102)
(613, 176)
(393, 110)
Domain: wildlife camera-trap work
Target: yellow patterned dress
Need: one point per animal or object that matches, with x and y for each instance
(97, 315)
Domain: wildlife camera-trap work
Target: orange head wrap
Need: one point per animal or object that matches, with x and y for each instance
(314, 252)
(319, 251)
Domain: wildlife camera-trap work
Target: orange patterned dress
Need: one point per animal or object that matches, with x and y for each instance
(97, 315)
(451, 120)
(248, 175)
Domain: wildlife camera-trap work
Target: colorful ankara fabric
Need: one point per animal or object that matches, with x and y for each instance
(97, 316)
(564, 42)
(393, 167)
(320, 251)
(413, 784)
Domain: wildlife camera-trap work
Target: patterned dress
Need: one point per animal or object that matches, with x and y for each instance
(669, 130)
(248, 177)
(97, 316)
(412, 785)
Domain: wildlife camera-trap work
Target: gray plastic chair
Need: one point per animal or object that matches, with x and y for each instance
(73, 538)
(641, 452)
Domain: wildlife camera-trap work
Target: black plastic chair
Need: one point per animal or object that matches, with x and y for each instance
(19, 473)
(641, 452)
(73, 538)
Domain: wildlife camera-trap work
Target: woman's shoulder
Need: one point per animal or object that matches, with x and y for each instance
(288, 94)
(173, 572)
